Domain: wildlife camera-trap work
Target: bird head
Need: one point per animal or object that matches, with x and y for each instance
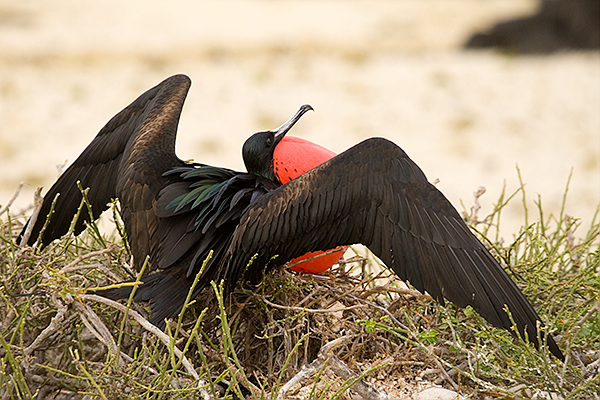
(258, 149)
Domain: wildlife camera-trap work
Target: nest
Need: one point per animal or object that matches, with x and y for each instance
(353, 330)
(301, 330)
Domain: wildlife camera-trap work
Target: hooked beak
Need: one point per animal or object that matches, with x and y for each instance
(286, 126)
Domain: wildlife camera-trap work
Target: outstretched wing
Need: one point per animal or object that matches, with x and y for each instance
(125, 160)
(376, 195)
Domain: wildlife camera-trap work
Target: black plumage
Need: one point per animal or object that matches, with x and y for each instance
(176, 212)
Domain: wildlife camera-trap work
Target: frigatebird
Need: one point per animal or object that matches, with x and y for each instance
(176, 212)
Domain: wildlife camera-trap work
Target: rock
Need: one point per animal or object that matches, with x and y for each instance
(437, 393)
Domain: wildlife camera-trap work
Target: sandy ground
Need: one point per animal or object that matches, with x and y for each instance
(369, 68)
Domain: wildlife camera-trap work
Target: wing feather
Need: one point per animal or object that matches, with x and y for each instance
(125, 160)
(376, 195)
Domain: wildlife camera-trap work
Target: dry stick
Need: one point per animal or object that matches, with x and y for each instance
(476, 206)
(311, 295)
(364, 390)
(589, 314)
(306, 371)
(8, 318)
(592, 366)
(38, 200)
(53, 326)
(164, 338)
(95, 266)
(215, 355)
(55, 323)
(388, 288)
(445, 373)
(98, 329)
(73, 265)
(354, 259)
(3, 209)
(328, 347)
(313, 310)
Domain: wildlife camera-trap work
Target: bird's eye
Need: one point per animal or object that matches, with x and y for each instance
(269, 142)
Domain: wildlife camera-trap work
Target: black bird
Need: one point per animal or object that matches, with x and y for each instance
(176, 212)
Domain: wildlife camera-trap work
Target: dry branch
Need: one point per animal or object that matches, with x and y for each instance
(164, 338)
(37, 203)
(12, 199)
(54, 326)
(327, 359)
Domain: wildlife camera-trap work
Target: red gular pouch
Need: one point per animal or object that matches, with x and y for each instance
(293, 157)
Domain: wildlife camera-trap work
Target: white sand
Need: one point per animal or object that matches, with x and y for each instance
(383, 68)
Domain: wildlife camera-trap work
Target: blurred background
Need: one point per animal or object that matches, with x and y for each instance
(420, 73)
